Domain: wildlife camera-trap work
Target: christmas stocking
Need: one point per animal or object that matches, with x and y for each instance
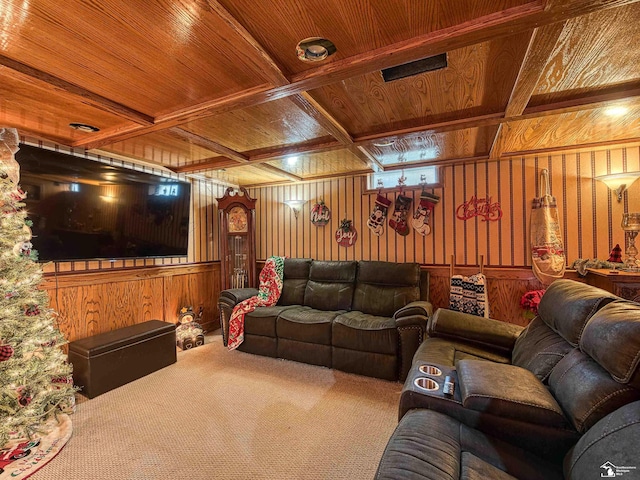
(400, 213)
(379, 215)
(422, 215)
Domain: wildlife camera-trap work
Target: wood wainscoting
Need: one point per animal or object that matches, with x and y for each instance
(505, 287)
(94, 302)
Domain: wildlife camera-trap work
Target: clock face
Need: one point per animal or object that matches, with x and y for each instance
(238, 220)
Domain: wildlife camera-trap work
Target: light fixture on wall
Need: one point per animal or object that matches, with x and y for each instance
(619, 182)
(295, 206)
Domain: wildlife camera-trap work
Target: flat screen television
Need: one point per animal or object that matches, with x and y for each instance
(82, 209)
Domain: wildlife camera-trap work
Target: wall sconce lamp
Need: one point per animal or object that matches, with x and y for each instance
(295, 205)
(619, 182)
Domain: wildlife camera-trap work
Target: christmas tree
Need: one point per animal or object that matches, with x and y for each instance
(35, 378)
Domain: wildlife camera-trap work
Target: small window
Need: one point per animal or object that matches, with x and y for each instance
(414, 177)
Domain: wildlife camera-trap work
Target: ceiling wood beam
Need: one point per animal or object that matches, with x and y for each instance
(438, 127)
(33, 76)
(425, 163)
(582, 146)
(314, 146)
(583, 102)
(367, 157)
(208, 144)
(269, 67)
(278, 171)
(494, 150)
(218, 106)
(308, 105)
(214, 163)
(315, 178)
(534, 14)
(541, 45)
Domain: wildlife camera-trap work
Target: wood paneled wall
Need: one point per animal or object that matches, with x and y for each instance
(96, 296)
(94, 302)
(589, 213)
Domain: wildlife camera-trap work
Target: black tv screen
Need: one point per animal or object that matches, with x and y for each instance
(83, 209)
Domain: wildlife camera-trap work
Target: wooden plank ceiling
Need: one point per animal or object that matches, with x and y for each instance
(214, 87)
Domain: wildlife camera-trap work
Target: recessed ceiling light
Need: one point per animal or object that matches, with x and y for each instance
(616, 111)
(83, 127)
(315, 49)
(292, 160)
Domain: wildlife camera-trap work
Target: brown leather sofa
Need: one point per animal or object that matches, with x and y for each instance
(524, 397)
(361, 317)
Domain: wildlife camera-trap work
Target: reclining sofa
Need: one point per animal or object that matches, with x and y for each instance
(565, 388)
(361, 317)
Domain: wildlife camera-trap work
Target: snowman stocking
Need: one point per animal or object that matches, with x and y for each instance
(379, 215)
(422, 216)
(400, 213)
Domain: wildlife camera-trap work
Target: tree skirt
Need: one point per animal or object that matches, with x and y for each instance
(19, 460)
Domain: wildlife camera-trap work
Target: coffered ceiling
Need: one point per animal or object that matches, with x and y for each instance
(215, 87)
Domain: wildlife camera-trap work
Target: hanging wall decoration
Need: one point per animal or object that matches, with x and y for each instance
(424, 212)
(378, 216)
(320, 214)
(484, 208)
(346, 235)
(398, 220)
(400, 213)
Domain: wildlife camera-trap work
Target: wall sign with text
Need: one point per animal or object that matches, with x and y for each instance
(346, 235)
(484, 208)
(320, 214)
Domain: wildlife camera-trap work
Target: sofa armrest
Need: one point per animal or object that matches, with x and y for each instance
(419, 307)
(237, 295)
(226, 301)
(411, 332)
(508, 391)
(479, 331)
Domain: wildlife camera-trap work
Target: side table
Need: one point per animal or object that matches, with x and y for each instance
(623, 284)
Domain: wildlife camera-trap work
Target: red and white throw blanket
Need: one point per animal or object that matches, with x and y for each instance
(268, 295)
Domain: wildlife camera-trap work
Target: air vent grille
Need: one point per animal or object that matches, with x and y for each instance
(414, 68)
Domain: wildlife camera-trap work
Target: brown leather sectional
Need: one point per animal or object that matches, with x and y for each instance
(361, 317)
(557, 399)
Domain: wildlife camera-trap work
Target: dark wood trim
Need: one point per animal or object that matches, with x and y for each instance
(53, 280)
(55, 84)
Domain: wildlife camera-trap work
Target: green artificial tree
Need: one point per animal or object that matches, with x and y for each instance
(35, 377)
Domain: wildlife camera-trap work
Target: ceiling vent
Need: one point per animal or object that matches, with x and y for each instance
(413, 68)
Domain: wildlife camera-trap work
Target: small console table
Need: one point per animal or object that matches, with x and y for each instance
(623, 284)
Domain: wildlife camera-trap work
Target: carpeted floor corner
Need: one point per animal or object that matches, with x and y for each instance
(230, 415)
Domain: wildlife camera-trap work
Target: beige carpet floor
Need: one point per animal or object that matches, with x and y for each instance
(231, 415)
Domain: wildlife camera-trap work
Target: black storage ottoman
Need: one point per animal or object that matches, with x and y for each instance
(112, 359)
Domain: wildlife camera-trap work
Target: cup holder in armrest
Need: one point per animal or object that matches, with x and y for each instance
(430, 370)
(428, 384)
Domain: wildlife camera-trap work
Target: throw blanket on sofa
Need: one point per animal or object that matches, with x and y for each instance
(268, 294)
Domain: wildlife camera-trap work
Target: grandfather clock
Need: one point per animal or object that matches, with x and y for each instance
(237, 239)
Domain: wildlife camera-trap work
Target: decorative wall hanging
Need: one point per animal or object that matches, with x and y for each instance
(346, 235)
(547, 252)
(320, 214)
(400, 213)
(398, 221)
(422, 216)
(485, 208)
(378, 216)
